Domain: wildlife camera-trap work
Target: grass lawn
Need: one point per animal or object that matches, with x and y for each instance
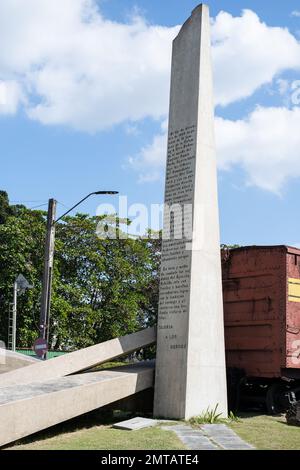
(94, 432)
(106, 438)
(86, 433)
(267, 432)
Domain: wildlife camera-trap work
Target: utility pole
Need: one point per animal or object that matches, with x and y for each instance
(48, 268)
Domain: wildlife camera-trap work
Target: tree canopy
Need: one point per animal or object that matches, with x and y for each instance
(102, 288)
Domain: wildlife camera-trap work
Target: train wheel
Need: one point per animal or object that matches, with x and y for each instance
(276, 398)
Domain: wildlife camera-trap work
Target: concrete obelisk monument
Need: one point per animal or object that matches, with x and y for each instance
(190, 363)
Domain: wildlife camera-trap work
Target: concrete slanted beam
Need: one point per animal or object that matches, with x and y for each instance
(10, 360)
(80, 360)
(26, 409)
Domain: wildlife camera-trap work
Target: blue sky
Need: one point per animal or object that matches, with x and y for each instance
(84, 106)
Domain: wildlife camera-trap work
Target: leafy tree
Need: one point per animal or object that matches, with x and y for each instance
(104, 284)
(21, 251)
(102, 288)
(5, 208)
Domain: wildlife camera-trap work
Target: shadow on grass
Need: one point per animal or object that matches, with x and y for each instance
(100, 417)
(249, 414)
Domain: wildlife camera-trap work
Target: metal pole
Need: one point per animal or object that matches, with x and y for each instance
(48, 265)
(14, 322)
(48, 261)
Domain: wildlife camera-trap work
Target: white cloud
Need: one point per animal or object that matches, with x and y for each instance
(248, 54)
(67, 64)
(150, 161)
(10, 97)
(296, 13)
(266, 142)
(266, 145)
(82, 70)
(284, 86)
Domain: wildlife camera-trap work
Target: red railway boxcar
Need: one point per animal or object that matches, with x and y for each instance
(261, 292)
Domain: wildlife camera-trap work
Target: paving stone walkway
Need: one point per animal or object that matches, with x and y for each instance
(209, 437)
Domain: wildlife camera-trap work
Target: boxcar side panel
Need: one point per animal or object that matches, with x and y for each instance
(254, 306)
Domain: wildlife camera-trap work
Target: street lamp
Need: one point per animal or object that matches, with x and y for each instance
(96, 193)
(48, 261)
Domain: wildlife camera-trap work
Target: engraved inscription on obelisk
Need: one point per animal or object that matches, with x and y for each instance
(190, 363)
